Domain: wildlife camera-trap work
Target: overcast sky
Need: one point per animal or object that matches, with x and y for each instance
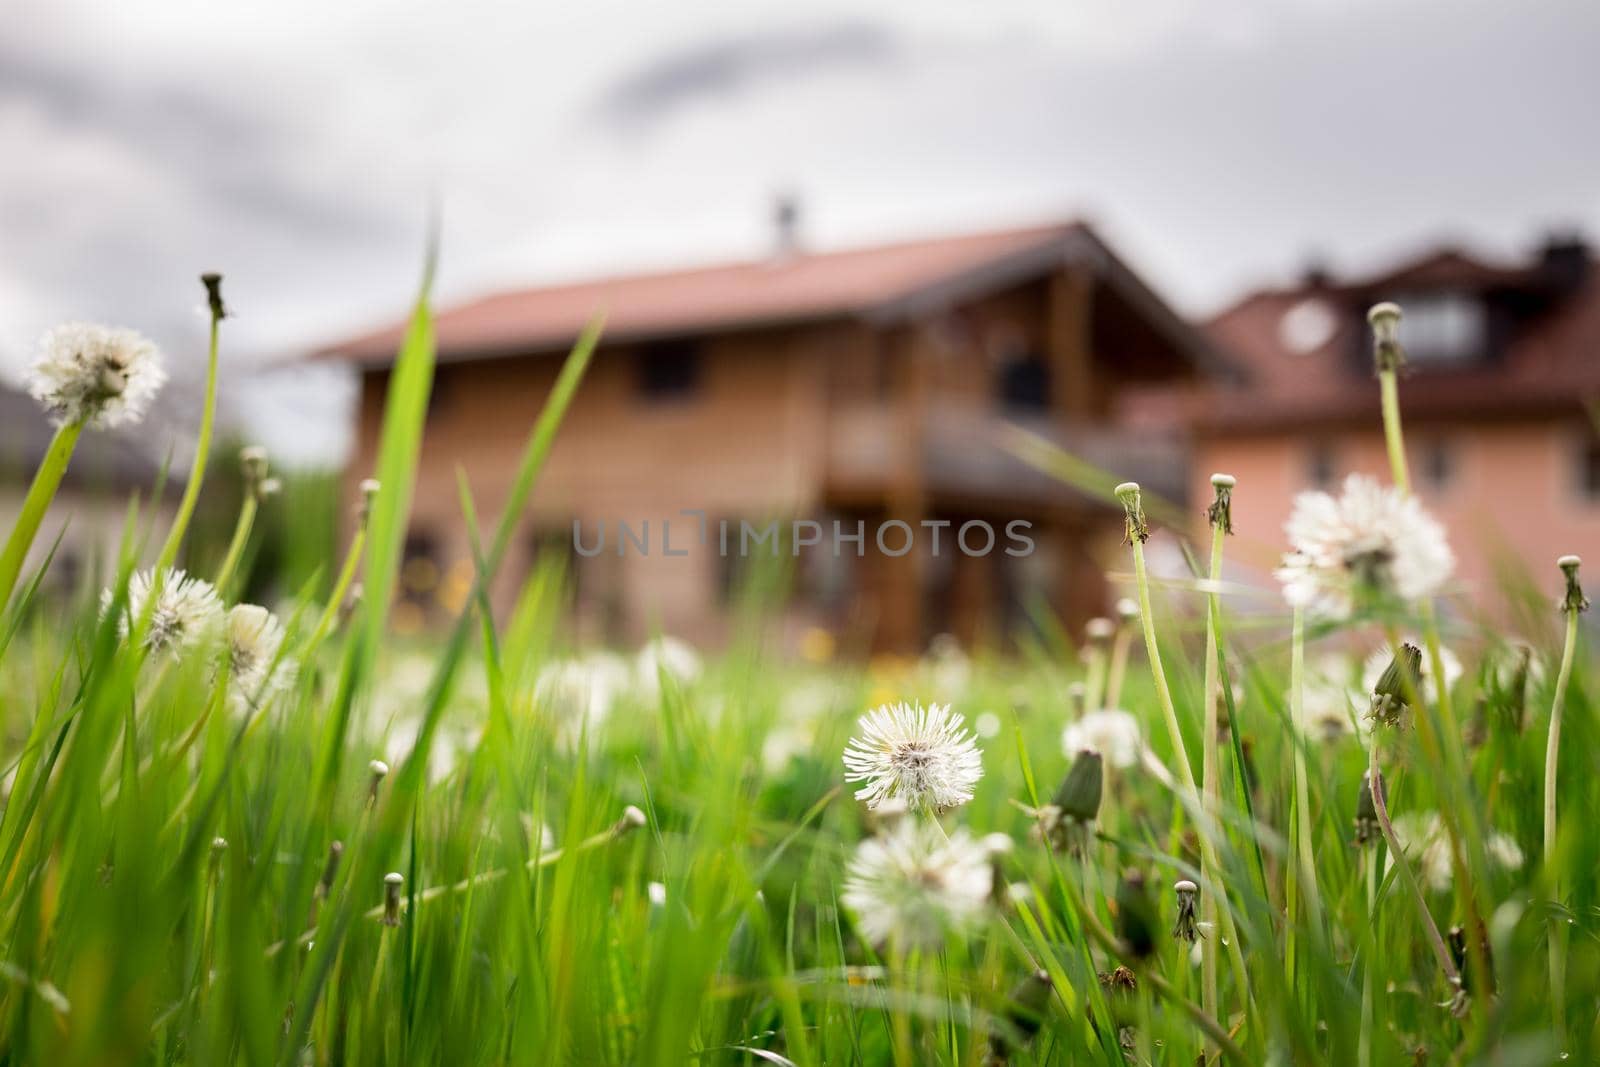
(295, 145)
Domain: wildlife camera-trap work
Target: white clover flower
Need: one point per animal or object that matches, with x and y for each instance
(1110, 732)
(186, 611)
(920, 755)
(1423, 837)
(1379, 659)
(96, 375)
(1369, 542)
(665, 655)
(255, 637)
(914, 886)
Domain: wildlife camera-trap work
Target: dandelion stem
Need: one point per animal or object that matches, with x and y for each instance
(1552, 753)
(629, 821)
(1381, 806)
(241, 536)
(1181, 757)
(1364, 1042)
(1209, 776)
(202, 453)
(341, 589)
(46, 480)
(1302, 868)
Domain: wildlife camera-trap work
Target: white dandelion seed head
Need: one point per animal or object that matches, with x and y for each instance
(914, 887)
(921, 755)
(254, 668)
(1378, 661)
(1110, 732)
(97, 375)
(583, 689)
(1370, 540)
(665, 655)
(1423, 837)
(187, 611)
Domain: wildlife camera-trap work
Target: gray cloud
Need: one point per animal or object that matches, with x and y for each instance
(728, 66)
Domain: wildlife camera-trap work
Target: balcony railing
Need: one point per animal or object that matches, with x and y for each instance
(980, 455)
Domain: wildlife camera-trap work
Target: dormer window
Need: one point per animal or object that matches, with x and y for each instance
(1444, 329)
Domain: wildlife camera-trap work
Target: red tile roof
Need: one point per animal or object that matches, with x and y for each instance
(1549, 363)
(798, 288)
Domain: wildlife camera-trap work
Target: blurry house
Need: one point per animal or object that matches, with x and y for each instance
(91, 508)
(1498, 400)
(853, 387)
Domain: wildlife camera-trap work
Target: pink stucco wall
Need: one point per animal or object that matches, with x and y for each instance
(1515, 488)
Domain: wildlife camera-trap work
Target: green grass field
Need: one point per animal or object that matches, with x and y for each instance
(645, 861)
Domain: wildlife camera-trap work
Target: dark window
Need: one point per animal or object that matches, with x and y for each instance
(1589, 470)
(669, 371)
(1024, 382)
(1444, 329)
(1321, 466)
(1438, 464)
(551, 548)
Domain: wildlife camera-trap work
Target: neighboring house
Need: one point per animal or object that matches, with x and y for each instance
(91, 508)
(862, 386)
(1498, 398)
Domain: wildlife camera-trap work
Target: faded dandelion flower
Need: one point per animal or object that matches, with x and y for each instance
(915, 886)
(1423, 838)
(1110, 732)
(255, 637)
(1369, 544)
(1066, 822)
(920, 755)
(187, 610)
(97, 375)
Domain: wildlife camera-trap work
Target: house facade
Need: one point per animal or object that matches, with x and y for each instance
(857, 403)
(1499, 397)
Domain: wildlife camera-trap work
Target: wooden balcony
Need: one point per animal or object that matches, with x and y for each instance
(972, 455)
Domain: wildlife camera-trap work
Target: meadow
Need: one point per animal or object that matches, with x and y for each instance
(290, 836)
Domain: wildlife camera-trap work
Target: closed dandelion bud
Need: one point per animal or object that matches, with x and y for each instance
(632, 819)
(1368, 828)
(1463, 956)
(1403, 677)
(1026, 1006)
(1128, 610)
(1573, 599)
(330, 869)
(1136, 915)
(213, 283)
(369, 493)
(1099, 630)
(391, 897)
(998, 846)
(253, 462)
(1220, 513)
(1185, 928)
(378, 770)
(1081, 790)
(1387, 355)
(1135, 528)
